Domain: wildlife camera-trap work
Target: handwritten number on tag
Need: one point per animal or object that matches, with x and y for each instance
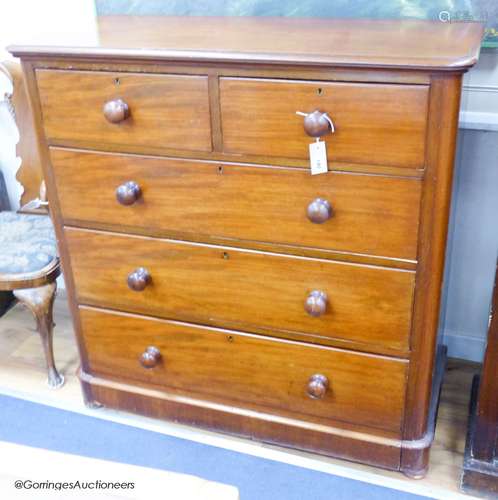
(318, 158)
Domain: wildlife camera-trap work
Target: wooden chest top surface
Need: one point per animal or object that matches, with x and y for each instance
(338, 42)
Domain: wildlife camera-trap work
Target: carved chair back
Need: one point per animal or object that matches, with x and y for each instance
(29, 174)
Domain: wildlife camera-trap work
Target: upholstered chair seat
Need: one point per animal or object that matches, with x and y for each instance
(29, 265)
(27, 243)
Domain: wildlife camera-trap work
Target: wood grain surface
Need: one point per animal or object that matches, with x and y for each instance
(374, 124)
(366, 43)
(29, 174)
(486, 427)
(229, 287)
(435, 207)
(248, 370)
(191, 199)
(170, 110)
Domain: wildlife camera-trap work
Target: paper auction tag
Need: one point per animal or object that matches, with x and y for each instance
(318, 158)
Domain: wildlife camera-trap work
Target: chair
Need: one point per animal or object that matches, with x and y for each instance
(29, 263)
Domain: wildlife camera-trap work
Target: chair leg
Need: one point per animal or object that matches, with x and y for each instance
(40, 302)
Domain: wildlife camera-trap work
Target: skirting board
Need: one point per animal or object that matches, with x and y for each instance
(463, 346)
(478, 121)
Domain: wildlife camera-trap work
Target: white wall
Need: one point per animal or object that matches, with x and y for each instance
(46, 21)
(480, 94)
(36, 22)
(472, 245)
(473, 234)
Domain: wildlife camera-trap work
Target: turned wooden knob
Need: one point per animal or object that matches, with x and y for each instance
(116, 111)
(150, 357)
(317, 124)
(128, 193)
(139, 279)
(318, 385)
(319, 211)
(316, 303)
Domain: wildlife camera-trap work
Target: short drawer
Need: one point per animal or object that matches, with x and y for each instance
(367, 214)
(243, 289)
(168, 111)
(375, 124)
(287, 378)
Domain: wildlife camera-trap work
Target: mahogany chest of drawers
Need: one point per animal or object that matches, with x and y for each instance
(212, 279)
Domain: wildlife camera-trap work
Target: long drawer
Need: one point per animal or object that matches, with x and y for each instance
(368, 214)
(243, 289)
(171, 111)
(284, 377)
(375, 124)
